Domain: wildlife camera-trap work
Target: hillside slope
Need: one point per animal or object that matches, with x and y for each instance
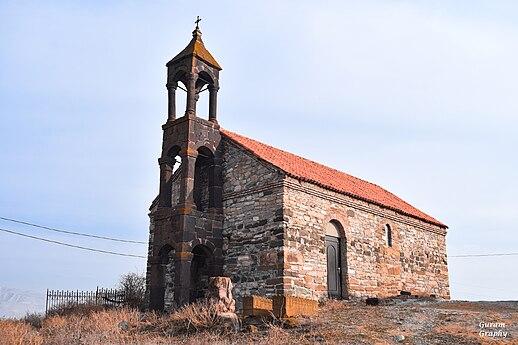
(413, 322)
(17, 303)
(402, 322)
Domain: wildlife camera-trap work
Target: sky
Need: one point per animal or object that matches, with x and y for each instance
(419, 97)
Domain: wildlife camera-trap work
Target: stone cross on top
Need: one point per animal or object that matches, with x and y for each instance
(197, 21)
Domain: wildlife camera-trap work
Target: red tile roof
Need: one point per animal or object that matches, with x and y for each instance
(306, 170)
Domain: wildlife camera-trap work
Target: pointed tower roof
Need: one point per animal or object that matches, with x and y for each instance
(196, 48)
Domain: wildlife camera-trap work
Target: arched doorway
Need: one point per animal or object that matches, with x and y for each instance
(335, 260)
(163, 278)
(202, 268)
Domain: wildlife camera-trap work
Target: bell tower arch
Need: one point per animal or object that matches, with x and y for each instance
(193, 216)
(198, 71)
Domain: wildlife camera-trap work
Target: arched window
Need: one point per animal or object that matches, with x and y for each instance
(203, 83)
(388, 235)
(332, 229)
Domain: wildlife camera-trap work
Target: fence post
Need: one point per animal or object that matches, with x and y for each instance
(46, 302)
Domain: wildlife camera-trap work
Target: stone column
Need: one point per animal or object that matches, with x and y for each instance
(182, 277)
(156, 286)
(166, 172)
(191, 95)
(171, 108)
(213, 102)
(187, 183)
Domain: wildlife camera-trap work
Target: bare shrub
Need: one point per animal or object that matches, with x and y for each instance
(33, 319)
(134, 287)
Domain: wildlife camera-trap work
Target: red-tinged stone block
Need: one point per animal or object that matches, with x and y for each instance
(257, 306)
(287, 306)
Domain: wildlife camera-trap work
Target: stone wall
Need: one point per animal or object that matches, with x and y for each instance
(415, 262)
(150, 253)
(253, 227)
(169, 302)
(270, 239)
(168, 268)
(175, 188)
(201, 186)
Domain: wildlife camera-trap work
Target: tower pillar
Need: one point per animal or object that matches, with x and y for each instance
(156, 288)
(213, 102)
(166, 172)
(182, 278)
(188, 167)
(171, 108)
(191, 95)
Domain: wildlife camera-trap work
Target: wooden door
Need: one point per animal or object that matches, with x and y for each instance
(334, 280)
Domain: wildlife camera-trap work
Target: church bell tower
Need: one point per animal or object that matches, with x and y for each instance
(185, 246)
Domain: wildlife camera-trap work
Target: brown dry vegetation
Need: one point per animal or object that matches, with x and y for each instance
(336, 323)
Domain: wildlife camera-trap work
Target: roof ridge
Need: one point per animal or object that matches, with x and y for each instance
(328, 177)
(309, 160)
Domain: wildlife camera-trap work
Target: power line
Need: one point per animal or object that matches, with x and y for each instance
(141, 242)
(71, 245)
(475, 255)
(71, 232)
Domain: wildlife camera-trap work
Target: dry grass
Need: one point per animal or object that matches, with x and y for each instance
(98, 327)
(331, 305)
(19, 333)
(76, 309)
(337, 323)
(193, 324)
(194, 317)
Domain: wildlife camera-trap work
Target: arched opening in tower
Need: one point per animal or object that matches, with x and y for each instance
(161, 293)
(202, 94)
(202, 268)
(204, 162)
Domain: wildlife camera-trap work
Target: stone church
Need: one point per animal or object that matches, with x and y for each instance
(274, 222)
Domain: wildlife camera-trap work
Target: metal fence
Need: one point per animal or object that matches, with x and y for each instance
(100, 297)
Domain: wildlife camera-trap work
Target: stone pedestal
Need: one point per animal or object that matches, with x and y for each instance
(287, 306)
(257, 306)
(219, 295)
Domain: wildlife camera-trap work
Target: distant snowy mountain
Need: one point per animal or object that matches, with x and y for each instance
(17, 303)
